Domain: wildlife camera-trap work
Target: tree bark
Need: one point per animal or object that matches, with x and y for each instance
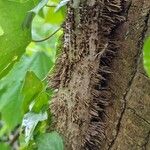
(102, 99)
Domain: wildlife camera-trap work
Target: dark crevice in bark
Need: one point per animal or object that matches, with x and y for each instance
(134, 111)
(122, 113)
(140, 44)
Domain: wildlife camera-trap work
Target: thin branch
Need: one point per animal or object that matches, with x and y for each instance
(42, 40)
(14, 139)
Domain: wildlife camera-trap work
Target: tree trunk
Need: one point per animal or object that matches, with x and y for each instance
(102, 99)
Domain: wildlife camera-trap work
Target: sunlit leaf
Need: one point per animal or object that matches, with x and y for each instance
(61, 4)
(54, 18)
(30, 121)
(1, 31)
(39, 6)
(13, 39)
(147, 56)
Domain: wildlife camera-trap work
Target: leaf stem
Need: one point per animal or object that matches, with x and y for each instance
(42, 40)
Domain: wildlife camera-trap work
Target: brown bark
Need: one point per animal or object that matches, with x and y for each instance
(121, 120)
(128, 126)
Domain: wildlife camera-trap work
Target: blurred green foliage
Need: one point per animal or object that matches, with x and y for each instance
(24, 98)
(147, 55)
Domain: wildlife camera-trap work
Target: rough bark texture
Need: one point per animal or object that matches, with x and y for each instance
(103, 95)
(128, 125)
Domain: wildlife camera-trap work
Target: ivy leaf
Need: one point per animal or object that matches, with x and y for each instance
(61, 4)
(50, 141)
(30, 121)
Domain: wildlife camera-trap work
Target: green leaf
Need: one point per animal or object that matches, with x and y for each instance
(40, 102)
(147, 56)
(13, 39)
(42, 65)
(33, 12)
(61, 4)
(32, 87)
(50, 141)
(54, 18)
(11, 98)
(20, 1)
(30, 121)
(1, 31)
(39, 6)
(4, 146)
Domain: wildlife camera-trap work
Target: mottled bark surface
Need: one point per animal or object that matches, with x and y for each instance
(128, 125)
(93, 108)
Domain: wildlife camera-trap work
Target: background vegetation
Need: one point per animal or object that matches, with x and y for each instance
(30, 35)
